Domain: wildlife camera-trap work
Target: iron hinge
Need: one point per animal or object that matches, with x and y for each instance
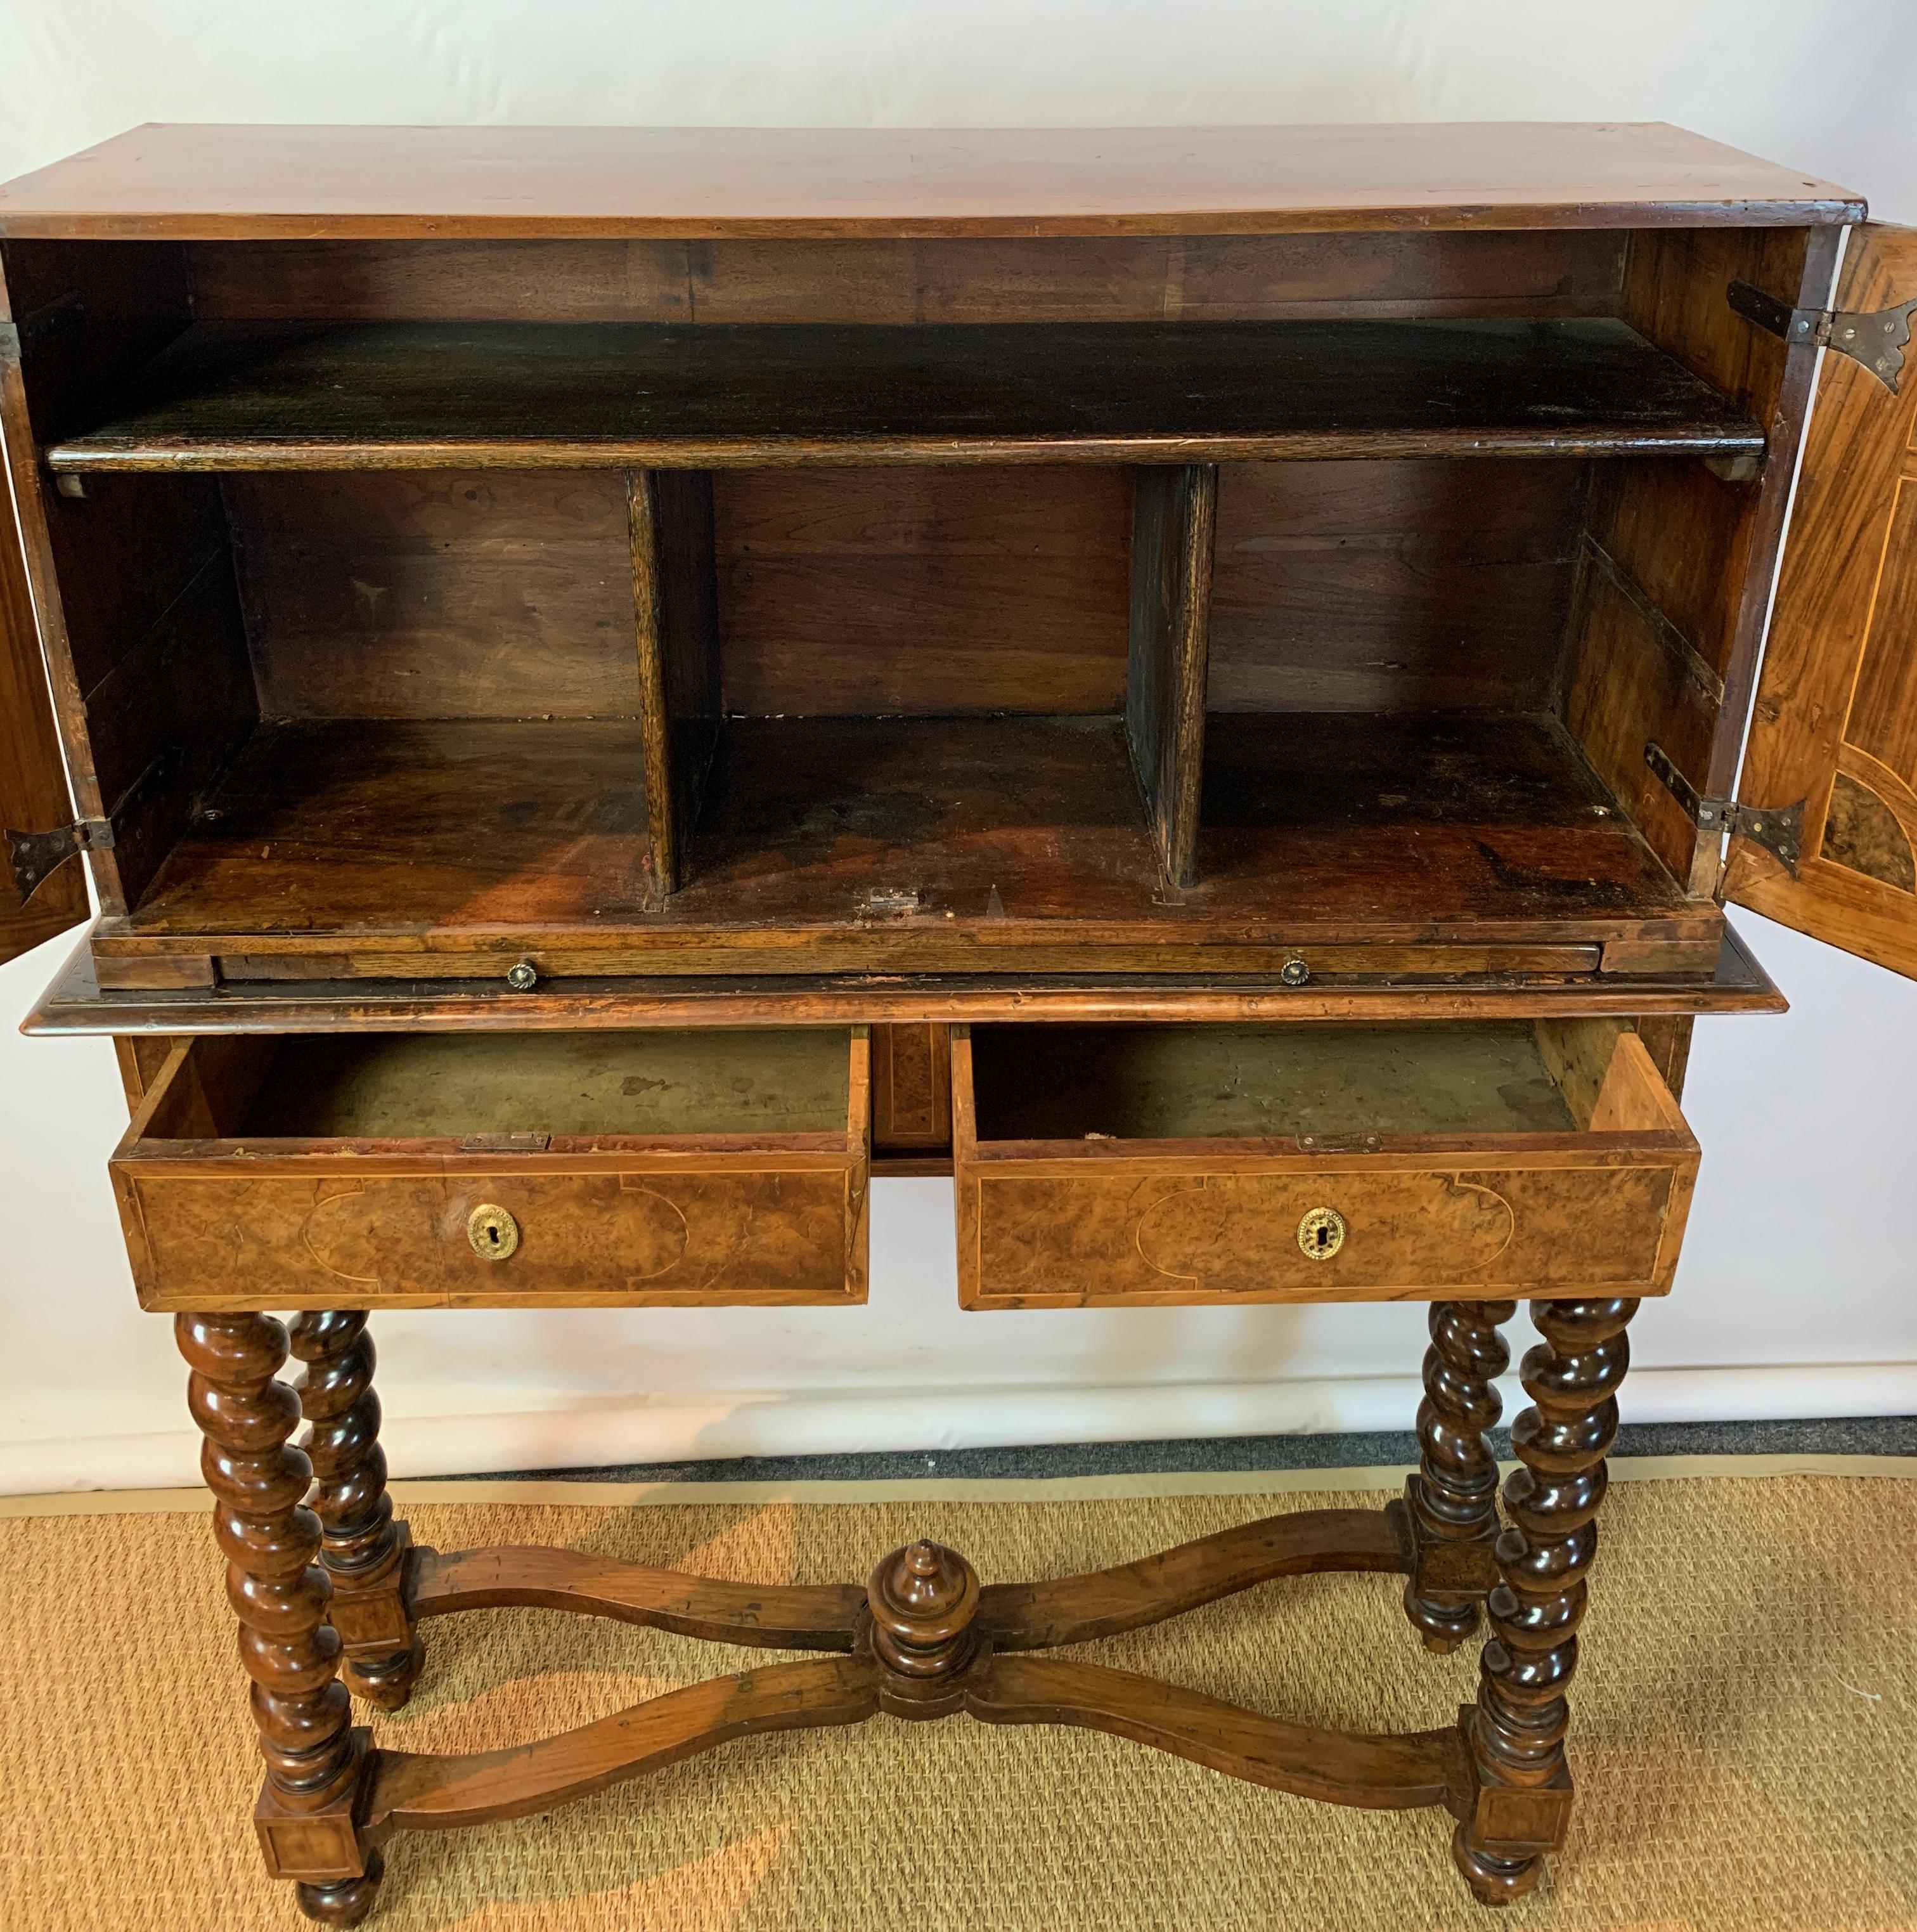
(1779, 829)
(1877, 340)
(36, 856)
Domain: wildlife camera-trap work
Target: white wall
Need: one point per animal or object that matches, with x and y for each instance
(1798, 1295)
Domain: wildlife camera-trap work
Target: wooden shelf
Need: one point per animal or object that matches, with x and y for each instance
(360, 825)
(299, 396)
(1398, 843)
(1343, 825)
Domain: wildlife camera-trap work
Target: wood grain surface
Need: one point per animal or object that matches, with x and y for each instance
(294, 182)
(304, 396)
(1450, 1215)
(216, 1215)
(1835, 722)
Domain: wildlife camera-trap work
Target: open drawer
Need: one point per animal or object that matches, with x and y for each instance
(486, 1170)
(1107, 1166)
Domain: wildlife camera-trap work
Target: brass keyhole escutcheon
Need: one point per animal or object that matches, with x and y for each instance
(493, 1233)
(1321, 1234)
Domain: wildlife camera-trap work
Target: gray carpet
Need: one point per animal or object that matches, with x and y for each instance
(1850, 1435)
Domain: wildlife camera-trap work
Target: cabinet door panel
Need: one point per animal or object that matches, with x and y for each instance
(33, 782)
(1835, 722)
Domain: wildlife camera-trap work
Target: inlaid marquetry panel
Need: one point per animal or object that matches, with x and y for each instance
(1055, 1239)
(1834, 727)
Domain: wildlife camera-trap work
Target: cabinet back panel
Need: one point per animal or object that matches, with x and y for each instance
(1414, 586)
(498, 594)
(1122, 279)
(844, 592)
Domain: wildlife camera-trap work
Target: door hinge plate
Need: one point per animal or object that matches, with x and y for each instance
(1779, 829)
(1877, 340)
(36, 856)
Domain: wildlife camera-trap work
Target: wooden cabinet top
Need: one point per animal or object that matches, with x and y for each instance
(309, 183)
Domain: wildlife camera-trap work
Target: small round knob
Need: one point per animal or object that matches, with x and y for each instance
(1294, 972)
(494, 1233)
(1321, 1234)
(522, 975)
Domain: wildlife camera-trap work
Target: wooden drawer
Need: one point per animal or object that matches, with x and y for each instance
(1108, 1166)
(644, 1169)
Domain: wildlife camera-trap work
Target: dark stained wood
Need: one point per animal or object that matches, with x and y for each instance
(1077, 1610)
(307, 396)
(1452, 1502)
(1835, 720)
(922, 1605)
(88, 318)
(415, 1791)
(314, 1757)
(306, 183)
(1400, 815)
(439, 595)
(107, 573)
(1172, 528)
(1125, 278)
(1335, 1767)
(1393, 586)
(481, 822)
(33, 781)
(773, 1617)
(933, 591)
(1665, 635)
(675, 607)
(1492, 987)
(1522, 1803)
(163, 724)
(365, 1553)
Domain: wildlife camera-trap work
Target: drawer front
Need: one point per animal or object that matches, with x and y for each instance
(655, 1237)
(215, 1222)
(1043, 1225)
(1041, 1241)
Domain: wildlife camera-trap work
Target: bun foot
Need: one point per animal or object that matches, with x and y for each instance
(1494, 1881)
(387, 1681)
(345, 1901)
(1441, 1627)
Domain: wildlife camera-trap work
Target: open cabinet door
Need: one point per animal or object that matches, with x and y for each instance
(1834, 727)
(33, 781)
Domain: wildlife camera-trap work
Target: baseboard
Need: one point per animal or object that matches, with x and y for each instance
(478, 1437)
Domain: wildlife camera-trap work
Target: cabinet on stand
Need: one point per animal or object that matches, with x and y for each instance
(1212, 684)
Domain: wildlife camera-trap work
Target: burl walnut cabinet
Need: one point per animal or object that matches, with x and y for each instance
(1213, 684)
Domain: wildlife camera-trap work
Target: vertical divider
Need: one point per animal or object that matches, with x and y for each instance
(1174, 520)
(675, 607)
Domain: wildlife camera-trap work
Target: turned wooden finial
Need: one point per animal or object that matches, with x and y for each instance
(923, 1599)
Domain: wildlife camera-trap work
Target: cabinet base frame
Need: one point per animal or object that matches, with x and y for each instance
(923, 1639)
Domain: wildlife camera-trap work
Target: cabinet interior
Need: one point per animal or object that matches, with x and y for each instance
(889, 655)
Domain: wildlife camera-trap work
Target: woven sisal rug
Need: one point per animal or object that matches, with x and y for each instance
(1745, 1739)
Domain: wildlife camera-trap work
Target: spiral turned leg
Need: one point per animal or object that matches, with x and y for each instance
(1517, 1729)
(1452, 1501)
(364, 1550)
(314, 1755)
